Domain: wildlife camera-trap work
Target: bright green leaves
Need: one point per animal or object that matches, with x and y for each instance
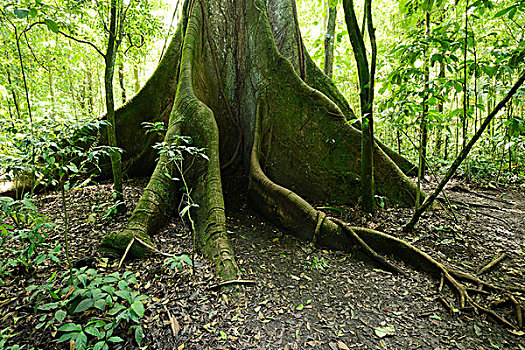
(112, 292)
(21, 13)
(138, 308)
(410, 6)
(38, 13)
(512, 10)
(51, 25)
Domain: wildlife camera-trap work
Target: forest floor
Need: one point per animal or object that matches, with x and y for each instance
(304, 296)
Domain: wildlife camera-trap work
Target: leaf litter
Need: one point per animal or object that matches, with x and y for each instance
(297, 302)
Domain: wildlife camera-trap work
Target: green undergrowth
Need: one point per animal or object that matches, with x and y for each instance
(95, 312)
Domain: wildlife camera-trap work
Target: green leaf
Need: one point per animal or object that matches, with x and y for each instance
(116, 309)
(428, 5)
(92, 330)
(223, 334)
(66, 337)
(503, 12)
(299, 307)
(51, 25)
(99, 345)
(81, 341)
(116, 339)
(138, 307)
(21, 13)
(60, 315)
(100, 304)
(83, 305)
(477, 330)
(124, 294)
(70, 327)
(29, 204)
(184, 210)
(73, 167)
(139, 335)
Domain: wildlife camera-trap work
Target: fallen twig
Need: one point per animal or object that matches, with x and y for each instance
(153, 248)
(230, 282)
(519, 314)
(174, 324)
(126, 252)
(474, 279)
(493, 314)
(444, 301)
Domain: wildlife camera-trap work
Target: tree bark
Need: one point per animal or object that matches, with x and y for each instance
(121, 82)
(366, 95)
(236, 73)
(109, 60)
(329, 39)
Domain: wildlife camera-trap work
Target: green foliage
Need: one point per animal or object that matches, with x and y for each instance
(5, 334)
(178, 262)
(23, 238)
(176, 150)
(494, 59)
(316, 264)
(118, 308)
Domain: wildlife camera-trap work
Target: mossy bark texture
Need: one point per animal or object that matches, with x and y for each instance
(237, 80)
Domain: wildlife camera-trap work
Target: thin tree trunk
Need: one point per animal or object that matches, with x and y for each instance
(109, 59)
(366, 98)
(398, 140)
(439, 139)
(465, 81)
(423, 130)
(32, 127)
(121, 80)
(136, 77)
(329, 39)
(90, 92)
(13, 90)
(51, 82)
(73, 98)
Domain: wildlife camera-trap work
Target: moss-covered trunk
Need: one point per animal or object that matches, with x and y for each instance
(233, 65)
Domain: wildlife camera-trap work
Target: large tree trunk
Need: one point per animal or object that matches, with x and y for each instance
(231, 80)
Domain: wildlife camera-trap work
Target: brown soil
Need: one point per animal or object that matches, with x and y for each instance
(304, 297)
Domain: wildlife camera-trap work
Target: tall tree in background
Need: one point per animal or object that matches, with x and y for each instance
(117, 17)
(423, 123)
(366, 74)
(115, 33)
(329, 38)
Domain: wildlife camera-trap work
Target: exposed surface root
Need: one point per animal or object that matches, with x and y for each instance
(369, 251)
(288, 209)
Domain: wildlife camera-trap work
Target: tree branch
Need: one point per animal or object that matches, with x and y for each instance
(83, 42)
(464, 152)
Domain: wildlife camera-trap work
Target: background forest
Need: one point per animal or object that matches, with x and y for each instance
(448, 70)
(442, 66)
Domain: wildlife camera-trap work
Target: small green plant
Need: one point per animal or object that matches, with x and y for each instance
(317, 264)
(23, 238)
(179, 262)
(175, 152)
(119, 307)
(4, 337)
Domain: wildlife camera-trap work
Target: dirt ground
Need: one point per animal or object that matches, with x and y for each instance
(303, 296)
